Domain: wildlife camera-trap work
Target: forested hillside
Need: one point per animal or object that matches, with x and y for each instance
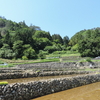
(87, 42)
(18, 40)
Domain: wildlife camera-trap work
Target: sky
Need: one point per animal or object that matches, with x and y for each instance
(64, 17)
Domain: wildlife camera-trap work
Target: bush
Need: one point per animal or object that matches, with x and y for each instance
(88, 60)
(24, 58)
(41, 55)
(75, 47)
(30, 53)
(50, 49)
(69, 48)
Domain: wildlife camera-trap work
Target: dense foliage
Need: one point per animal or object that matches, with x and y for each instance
(88, 42)
(17, 40)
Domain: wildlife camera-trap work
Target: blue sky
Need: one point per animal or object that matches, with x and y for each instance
(64, 17)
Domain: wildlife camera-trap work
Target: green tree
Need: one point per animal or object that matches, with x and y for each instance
(4, 31)
(33, 27)
(7, 39)
(30, 53)
(6, 52)
(42, 34)
(42, 54)
(50, 49)
(57, 39)
(42, 42)
(66, 40)
(9, 25)
(2, 22)
(89, 47)
(75, 47)
(24, 35)
(76, 38)
(18, 48)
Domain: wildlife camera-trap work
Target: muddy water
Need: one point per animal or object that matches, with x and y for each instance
(87, 92)
(23, 80)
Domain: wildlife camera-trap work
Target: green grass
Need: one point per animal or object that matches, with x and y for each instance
(12, 63)
(97, 60)
(4, 66)
(63, 56)
(4, 83)
(38, 61)
(66, 55)
(1, 62)
(50, 60)
(53, 55)
(89, 69)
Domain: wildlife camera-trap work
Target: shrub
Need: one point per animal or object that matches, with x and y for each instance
(50, 49)
(68, 48)
(24, 58)
(75, 47)
(41, 55)
(88, 60)
(30, 53)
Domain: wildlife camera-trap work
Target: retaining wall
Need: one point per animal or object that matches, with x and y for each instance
(46, 69)
(57, 65)
(31, 90)
(16, 75)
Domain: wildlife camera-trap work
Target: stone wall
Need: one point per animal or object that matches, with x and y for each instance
(47, 65)
(45, 69)
(27, 91)
(15, 75)
(58, 65)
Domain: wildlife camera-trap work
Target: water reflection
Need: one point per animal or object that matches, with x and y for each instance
(3, 64)
(87, 92)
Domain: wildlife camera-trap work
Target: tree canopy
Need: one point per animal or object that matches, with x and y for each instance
(25, 41)
(18, 40)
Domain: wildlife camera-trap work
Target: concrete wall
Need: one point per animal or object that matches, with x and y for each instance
(31, 90)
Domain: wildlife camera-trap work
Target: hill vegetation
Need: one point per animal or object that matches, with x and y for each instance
(17, 40)
(87, 42)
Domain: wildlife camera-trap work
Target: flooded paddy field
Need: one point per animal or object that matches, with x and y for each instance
(86, 92)
(55, 71)
(24, 80)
